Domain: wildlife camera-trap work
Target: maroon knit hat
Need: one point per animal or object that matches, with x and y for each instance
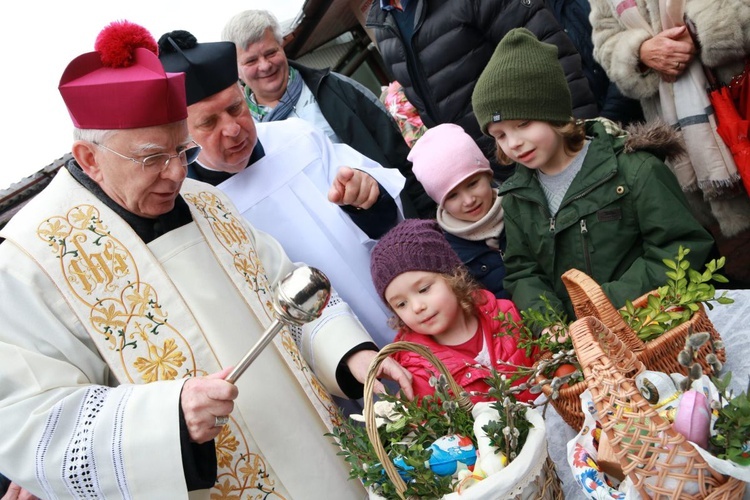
(413, 245)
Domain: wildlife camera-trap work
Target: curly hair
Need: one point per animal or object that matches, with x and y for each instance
(572, 132)
(464, 287)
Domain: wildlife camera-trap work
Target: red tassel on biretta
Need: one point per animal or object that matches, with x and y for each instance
(117, 43)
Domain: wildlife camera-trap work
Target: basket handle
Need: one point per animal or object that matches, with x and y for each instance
(372, 430)
(589, 299)
(593, 341)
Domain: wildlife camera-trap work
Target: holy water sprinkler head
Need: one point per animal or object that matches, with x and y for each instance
(302, 295)
(300, 298)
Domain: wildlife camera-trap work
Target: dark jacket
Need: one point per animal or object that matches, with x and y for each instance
(451, 45)
(464, 369)
(362, 122)
(623, 214)
(485, 264)
(573, 16)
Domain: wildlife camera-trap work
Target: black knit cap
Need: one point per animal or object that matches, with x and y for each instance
(413, 245)
(523, 80)
(209, 67)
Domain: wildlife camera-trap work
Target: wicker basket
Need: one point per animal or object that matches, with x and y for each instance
(659, 354)
(568, 402)
(659, 461)
(547, 482)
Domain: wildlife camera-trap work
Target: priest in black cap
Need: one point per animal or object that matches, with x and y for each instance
(326, 203)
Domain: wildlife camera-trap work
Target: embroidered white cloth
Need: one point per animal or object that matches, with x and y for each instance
(100, 331)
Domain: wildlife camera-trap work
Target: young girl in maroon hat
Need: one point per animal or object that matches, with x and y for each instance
(438, 305)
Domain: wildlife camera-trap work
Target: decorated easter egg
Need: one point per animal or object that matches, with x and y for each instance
(449, 451)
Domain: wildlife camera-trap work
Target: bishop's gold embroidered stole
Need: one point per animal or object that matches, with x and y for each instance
(140, 323)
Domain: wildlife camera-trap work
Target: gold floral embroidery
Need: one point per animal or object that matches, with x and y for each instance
(255, 475)
(223, 490)
(291, 346)
(139, 300)
(85, 215)
(162, 364)
(249, 269)
(54, 232)
(125, 311)
(252, 470)
(226, 444)
(109, 320)
(320, 390)
(103, 275)
(241, 475)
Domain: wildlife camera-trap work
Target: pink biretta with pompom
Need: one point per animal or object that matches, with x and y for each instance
(123, 84)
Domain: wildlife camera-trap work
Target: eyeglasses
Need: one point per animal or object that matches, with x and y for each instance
(160, 161)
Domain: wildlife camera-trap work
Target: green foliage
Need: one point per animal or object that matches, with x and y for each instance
(732, 438)
(541, 332)
(414, 425)
(545, 329)
(508, 433)
(676, 301)
(417, 425)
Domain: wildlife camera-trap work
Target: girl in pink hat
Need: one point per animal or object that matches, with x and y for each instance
(457, 176)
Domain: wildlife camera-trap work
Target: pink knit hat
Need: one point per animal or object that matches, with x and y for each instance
(444, 157)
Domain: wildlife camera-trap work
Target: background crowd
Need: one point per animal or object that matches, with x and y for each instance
(542, 136)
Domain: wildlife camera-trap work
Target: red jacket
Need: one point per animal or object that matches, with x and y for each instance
(465, 370)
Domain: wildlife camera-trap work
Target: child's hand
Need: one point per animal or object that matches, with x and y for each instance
(359, 364)
(391, 370)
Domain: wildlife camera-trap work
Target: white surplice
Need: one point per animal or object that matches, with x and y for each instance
(100, 331)
(286, 195)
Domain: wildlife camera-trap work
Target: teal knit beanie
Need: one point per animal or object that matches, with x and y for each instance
(523, 80)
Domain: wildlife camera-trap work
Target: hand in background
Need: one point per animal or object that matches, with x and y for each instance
(15, 492)
(668, 53)
(556, 333)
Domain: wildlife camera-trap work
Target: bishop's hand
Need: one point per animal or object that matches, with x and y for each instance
(205, 401)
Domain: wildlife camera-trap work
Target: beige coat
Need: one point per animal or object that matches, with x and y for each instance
(723, 28)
